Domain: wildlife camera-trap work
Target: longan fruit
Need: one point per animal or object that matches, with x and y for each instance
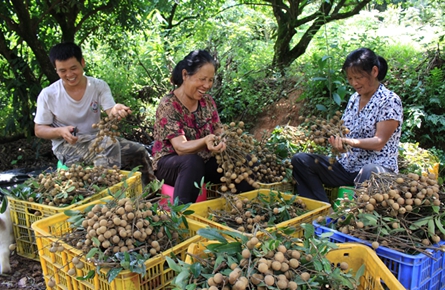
(284, 267)
(282, 249)
(344, 266)
(292, 285)
(282, 284)
(71, 272)
(269, 280)
(279, 257)
(256, 278)
(375, 245)
(211, 281)
(296, 254)
(294, 263)
(276, 265)
(246, 253)
(263, 268)
(240, 285)
(51, 283)
(218, 278)
(137, 234)
(369, 207)
(308, 257)
(305, 276)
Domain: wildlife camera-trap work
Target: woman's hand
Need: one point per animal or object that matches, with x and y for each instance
(211, 140)
(337, 143)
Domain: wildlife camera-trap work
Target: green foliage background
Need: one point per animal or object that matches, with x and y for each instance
(136, 60)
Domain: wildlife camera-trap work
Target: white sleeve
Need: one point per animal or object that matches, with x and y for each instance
(44, 116)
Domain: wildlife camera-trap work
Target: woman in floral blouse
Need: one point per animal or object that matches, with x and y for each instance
(374, 116)
(187, 123)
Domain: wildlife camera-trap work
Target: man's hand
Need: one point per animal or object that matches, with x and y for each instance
(67, 134)
(119, 111)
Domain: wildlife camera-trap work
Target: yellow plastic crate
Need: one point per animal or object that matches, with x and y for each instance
(287, 187)
(56, 265)
(376, 276)
(315, 208)
(25, 213)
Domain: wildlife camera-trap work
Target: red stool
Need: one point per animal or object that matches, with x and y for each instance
(168, 190)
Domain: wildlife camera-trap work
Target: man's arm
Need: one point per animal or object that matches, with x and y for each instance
(48, 132)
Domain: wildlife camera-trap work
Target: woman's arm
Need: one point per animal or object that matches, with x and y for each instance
(384, 131)
(183, 146)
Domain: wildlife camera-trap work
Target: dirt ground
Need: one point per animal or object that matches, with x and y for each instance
(284, 112)
(35, 154)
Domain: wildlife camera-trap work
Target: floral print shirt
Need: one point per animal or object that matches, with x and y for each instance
(174, 119)
(384, 105)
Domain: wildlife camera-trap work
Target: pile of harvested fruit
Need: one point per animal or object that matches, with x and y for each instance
(268, 262)
(124, 230)
(403, 212)
(245, 159)
(249, 215)
(67, 186)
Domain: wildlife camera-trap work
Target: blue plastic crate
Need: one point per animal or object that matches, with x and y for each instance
(414, 272)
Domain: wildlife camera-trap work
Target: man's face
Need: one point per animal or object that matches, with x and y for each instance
(70, 71)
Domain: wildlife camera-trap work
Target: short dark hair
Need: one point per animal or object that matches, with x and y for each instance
(191, 63)
(64, 51)
(364, 59)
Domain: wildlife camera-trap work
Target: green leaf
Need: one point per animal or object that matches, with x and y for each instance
(418, 224)
(431, 227)
(360, 272)
(75, 219)
(71, 188)
(172, 265)
(96, 242)
(211, 234)
(439, 225)
(183, 276)
(4, 205)
(321, 107)
(113, 274)
(196, 268)
(70, 212)
(337, 98)
(89, 275)
(229, 249)
(92, 252)
(309, 230)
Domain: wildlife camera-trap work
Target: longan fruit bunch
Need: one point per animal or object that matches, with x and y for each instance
(245, 159)
(236, 161)
(127, 225)
(63, 187)
(271, 168)
(319, 130)
(285, 267)
(399, 200)
(246, 215)
(107, 126)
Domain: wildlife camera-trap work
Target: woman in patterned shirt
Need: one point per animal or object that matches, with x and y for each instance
(374, 116)
(187, 124)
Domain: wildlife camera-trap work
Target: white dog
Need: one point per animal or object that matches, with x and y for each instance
(6, 239)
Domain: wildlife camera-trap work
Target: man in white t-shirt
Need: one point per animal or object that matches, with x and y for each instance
(67, 109)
